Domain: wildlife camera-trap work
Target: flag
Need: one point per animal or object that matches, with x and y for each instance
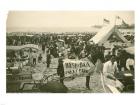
(106, 21)
(124, 23)
(118, 20)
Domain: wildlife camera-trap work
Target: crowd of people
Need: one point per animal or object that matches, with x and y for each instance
(40, 38)
(77, 47)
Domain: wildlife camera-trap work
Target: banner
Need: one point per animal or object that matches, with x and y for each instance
(124, 24)
(77, 67)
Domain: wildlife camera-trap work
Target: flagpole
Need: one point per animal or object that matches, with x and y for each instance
(115, 24)
(103, 21)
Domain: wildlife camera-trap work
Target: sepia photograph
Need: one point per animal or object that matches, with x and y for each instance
(70, 52)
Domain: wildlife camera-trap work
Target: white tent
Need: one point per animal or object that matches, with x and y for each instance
(130, 50)
(105, 32)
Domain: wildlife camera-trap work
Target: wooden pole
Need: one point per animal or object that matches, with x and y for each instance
(115, 24)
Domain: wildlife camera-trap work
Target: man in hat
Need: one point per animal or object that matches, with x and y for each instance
(34, 57)
(60, 69)
(91, 71)
(48, 59)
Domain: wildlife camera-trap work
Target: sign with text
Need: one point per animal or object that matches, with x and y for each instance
(77, 67)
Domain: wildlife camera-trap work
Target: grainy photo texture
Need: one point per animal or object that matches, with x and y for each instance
(70, 52)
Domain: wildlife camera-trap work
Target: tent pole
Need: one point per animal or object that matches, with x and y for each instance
(115, 24)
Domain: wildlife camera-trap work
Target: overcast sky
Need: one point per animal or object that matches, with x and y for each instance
(65, 18)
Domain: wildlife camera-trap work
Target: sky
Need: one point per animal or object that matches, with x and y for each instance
(40, 19)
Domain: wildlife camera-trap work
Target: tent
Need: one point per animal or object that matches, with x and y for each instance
(105, 33)
(130, 50)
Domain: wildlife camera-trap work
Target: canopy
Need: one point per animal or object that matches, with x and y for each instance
(130, 50)
(105, 33)
(22, 47)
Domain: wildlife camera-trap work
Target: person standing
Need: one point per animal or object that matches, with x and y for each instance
(113, 50)
(34, 57)
(43, 47)
(108, 56)
(48, 59)
(60, 69)
(91, 71)
(39, 58)
(102, 49)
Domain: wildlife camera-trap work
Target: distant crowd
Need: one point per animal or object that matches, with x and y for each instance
(71, 46)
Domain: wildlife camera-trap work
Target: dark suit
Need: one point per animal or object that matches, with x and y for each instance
(60, 70)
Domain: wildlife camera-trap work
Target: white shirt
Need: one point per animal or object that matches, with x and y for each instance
(34, 55)
(109, 68)
(129, 62)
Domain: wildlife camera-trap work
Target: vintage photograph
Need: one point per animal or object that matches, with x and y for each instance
(70, 52)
